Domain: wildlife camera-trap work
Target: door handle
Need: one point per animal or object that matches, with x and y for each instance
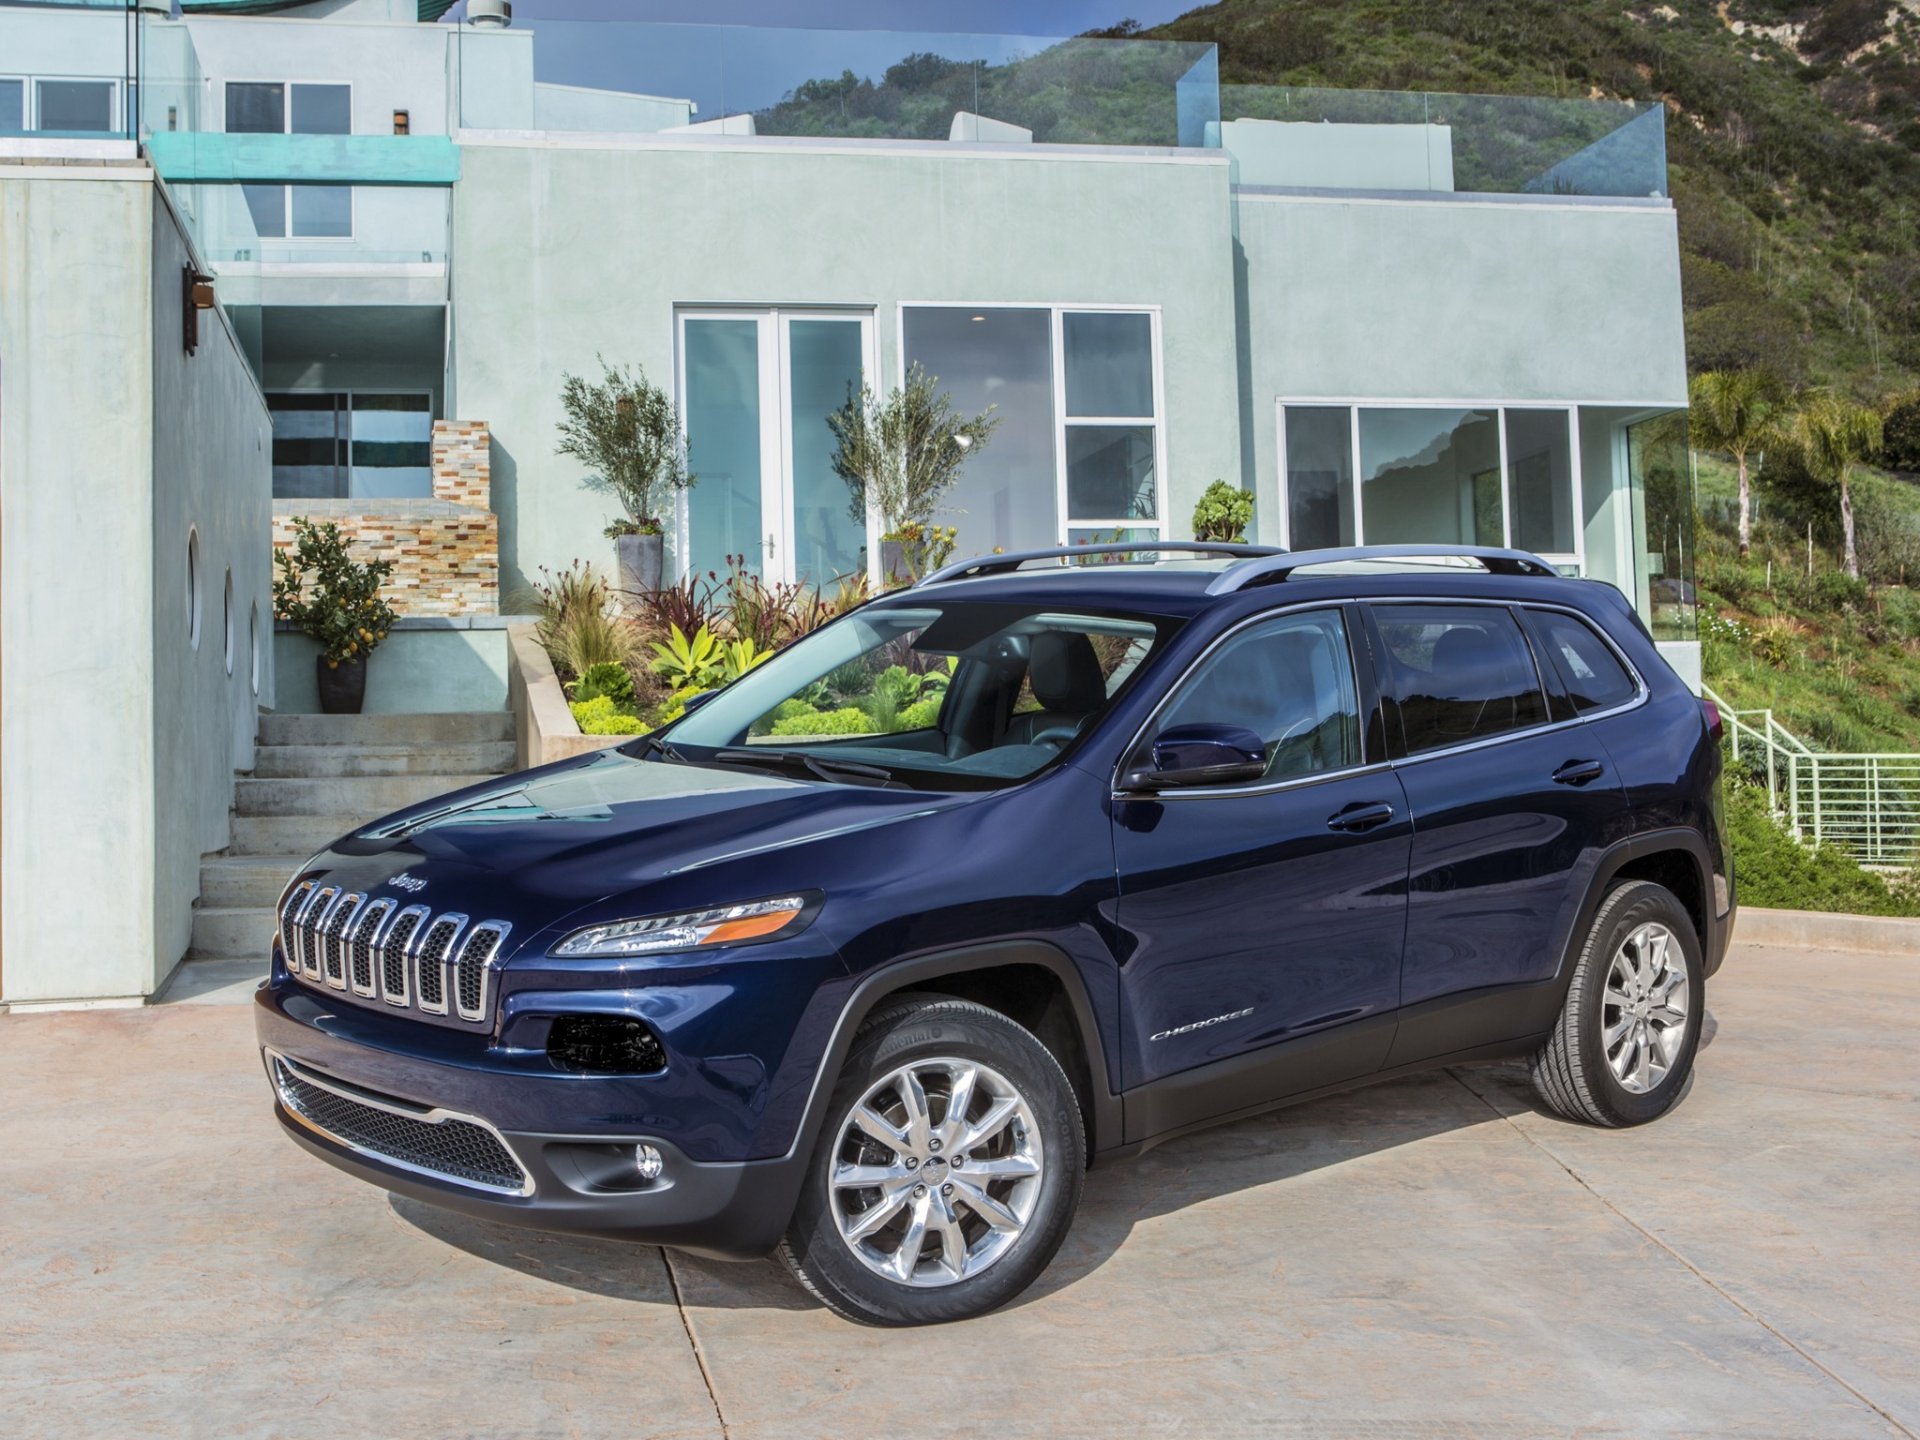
(1361, 816)
(1578, 772)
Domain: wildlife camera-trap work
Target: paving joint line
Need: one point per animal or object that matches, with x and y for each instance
(693, 1341)
(1682, 1260)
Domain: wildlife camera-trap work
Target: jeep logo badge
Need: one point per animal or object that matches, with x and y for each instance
(409, 883)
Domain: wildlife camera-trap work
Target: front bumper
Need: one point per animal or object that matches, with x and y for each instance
(581, 1184)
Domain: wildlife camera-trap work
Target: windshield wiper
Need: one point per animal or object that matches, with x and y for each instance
(829, 770)
(654, 743)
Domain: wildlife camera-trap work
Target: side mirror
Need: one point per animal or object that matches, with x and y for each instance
(1190, 755)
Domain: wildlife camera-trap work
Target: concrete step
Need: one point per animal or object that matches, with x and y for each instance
(222, 933)
(243, 881)
(464, 727)
(291, 836)
(316, 762)
(367, 796)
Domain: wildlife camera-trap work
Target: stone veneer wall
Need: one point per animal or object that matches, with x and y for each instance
(446, 550)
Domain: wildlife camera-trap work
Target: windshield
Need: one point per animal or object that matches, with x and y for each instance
(936, 694)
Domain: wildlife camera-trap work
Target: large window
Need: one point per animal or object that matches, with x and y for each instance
(58, 106)
(291, 108)
(1077, 456)
(1406, 474)
(336, 444)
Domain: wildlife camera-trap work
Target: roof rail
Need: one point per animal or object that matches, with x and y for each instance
(1268, 570)
(1005, 564)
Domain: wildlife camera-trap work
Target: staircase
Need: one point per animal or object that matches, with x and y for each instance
(315, 777)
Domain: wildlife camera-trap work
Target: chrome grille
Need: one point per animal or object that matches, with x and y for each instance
(410, 958)
(440, 1143)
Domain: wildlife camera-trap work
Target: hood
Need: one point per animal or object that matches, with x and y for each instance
(532, 848)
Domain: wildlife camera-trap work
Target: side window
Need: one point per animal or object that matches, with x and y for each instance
(1290, 681)
(1592, 674)
(1459, 673)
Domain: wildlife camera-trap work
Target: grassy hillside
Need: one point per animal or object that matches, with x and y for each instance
(1793, 142)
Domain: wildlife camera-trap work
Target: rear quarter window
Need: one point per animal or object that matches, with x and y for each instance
(1458, 673)
(1590, 672)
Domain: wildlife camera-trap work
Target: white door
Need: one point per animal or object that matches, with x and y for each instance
(756, 388)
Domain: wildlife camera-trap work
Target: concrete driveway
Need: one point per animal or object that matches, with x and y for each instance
(1426, 1258)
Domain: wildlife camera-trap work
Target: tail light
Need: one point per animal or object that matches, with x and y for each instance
(1715, 728)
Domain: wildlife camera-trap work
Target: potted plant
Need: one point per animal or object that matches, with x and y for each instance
(899, 457)
(627, 432)
(335, 601)
(1224, 513)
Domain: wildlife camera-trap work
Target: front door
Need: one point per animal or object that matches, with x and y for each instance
(1264, 922)
(756, 388)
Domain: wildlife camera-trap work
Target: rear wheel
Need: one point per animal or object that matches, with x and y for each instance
(948, 1170)
(1625, 1041)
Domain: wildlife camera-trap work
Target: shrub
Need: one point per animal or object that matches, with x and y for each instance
(922, 714)
(608, 679)
(848, 721)
(600, 716)
(1837, 590)
(756, 611)
(1224, 513)
(343, 613)
(1776, 871)
(1900, 436)
(627, 430)
(576, 628)
(692, 605)
(697, 663)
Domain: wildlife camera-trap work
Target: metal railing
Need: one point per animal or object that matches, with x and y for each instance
(1868, 804)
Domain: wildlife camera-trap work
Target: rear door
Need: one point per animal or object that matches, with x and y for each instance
(1511, 808)
(1271, 911)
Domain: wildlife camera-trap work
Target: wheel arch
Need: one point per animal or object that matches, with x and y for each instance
(1674, 857)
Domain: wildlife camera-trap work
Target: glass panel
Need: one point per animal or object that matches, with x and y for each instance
(1540, 481)
(1459, 673)
(824, 360)
(322, 110)
(267, 206)
(1109, 364)
(1593, 675)
(13, 107)
(322, 211)
(1110, 472)
(1319, 476)
(722, 402)
(75, 106)
(392, 438)
(1291, 683)
(1005, 497)
(1660, 468)
(308, 450)
(1431, 477)
(255, 109)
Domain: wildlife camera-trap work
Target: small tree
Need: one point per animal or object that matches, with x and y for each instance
(1834, 435)
(900, 456)
(1224, 513)
(343, 613)
(627, 432)
(1738, 412)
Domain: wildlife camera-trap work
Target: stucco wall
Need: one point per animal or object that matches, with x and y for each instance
(212, 477)
(76, 584)
(562, 252)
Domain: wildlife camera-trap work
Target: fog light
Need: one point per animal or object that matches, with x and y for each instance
(647, 1161)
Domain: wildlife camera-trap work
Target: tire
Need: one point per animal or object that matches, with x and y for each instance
(846, 1241)
(1639, 968)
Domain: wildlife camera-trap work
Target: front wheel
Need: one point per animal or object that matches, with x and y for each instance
(948, 1171)
(1625, 1041)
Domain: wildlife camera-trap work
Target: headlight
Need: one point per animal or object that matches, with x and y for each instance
(729, 925)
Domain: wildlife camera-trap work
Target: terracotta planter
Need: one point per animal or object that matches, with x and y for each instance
(343, 687)
(642, 559)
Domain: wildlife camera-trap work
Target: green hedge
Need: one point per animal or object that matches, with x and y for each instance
(1775, 871)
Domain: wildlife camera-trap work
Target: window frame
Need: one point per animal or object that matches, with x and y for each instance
(118, 110)
(287, 235)
(1576, 559)
(1057, 311)
(347, 395)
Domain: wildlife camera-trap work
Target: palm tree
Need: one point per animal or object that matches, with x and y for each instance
(1834, 435)
(1738, 412)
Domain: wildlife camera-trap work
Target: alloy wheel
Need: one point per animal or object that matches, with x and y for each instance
(1644, 1008)
(937, 1172)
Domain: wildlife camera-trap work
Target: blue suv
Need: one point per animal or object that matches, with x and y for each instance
(865, 959)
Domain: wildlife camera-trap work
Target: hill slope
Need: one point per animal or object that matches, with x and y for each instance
(1793, 141)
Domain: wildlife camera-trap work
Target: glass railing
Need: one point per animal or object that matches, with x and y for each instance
(67, 70)
(266, 226)
(1292, 137)
(551, 71)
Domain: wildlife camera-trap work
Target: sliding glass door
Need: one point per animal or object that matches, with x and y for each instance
(756, 388)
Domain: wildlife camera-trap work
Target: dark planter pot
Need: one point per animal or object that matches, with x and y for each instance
(343, 687)
(642, 558)
(893, 562)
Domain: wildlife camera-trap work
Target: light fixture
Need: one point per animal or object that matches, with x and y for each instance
(402, 123)
(978, 319)
(196, 294)
(648, 1163)
(755, 920)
